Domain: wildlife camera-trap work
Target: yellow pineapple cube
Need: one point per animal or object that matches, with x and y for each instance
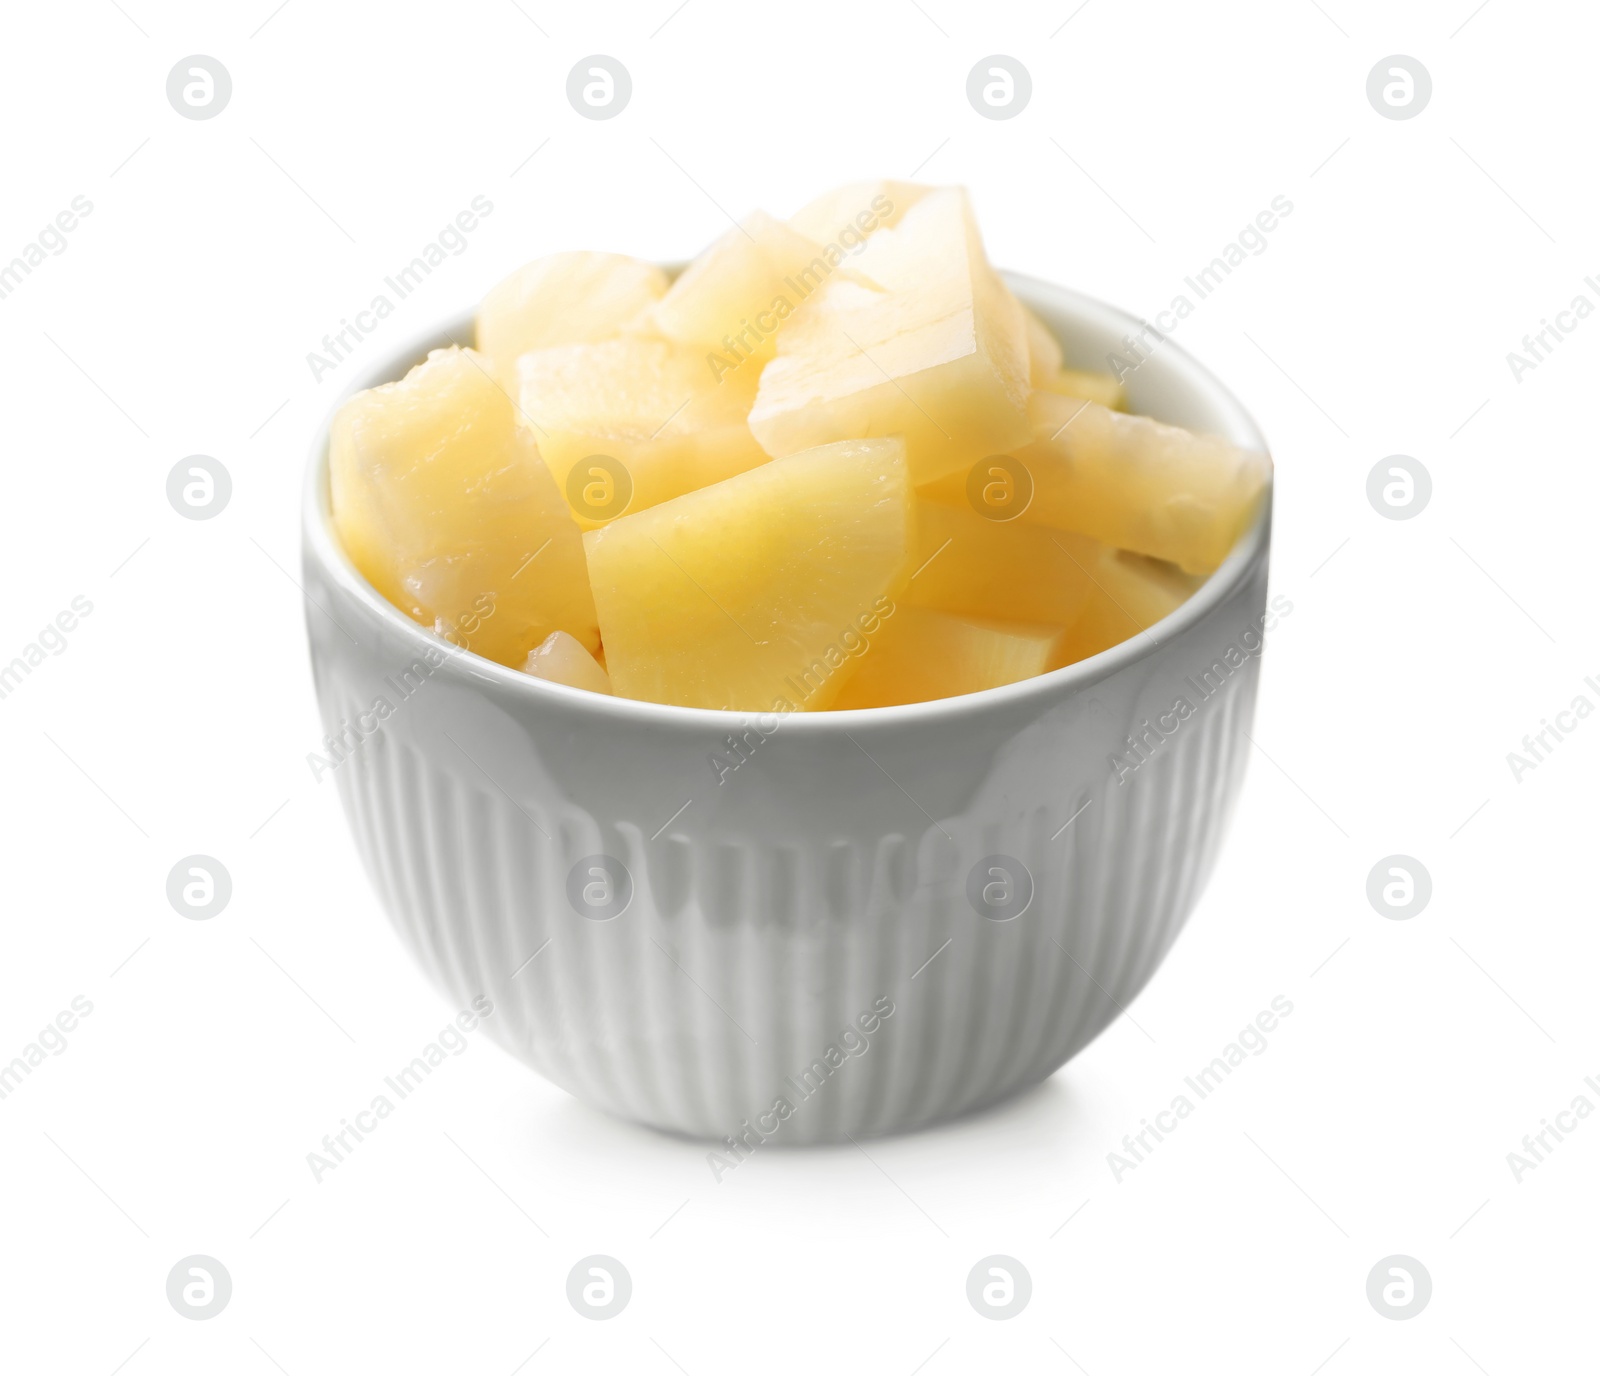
(758, 593)
(1046, 371)
(632, 422)
(1128, 594)
(1044, 349)
(933, 348)
(922, 654)
(973, 566)
(727, 306)
(1101, 387)
(561, 659)
(565, 298)
(1139, 485)
(441, 501)
(848, 214)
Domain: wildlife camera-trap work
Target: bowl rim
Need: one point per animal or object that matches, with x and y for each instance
(319, 543)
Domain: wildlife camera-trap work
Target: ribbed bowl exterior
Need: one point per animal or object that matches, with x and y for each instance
(817, 939)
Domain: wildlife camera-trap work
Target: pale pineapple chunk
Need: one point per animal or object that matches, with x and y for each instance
(565, 298)
(1128, 594)
(967, 564)
(1044, 350)
(757, 593)
(921, 654)
(1101, 387)
(939, 355)
(847, 214)
(632, 422)
(561, 659)
(1046, 370)
(728, 305)
(1137, 484)
(441, 501)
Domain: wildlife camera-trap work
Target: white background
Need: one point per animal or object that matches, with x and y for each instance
(1418, 653)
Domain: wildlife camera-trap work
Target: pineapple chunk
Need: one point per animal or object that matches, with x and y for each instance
(846, 215)
(1133, 482)
(972, 566)
(632, 422)
(922, 654)
(939, 354)
(440, 500)
(1045, 370)
(566, 298)
(1101, 387)
(727, 305)
(756, 593)
(1129, 593)
(1044, 350)
(561, 659)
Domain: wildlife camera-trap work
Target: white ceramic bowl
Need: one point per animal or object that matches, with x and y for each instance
(854, 862)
